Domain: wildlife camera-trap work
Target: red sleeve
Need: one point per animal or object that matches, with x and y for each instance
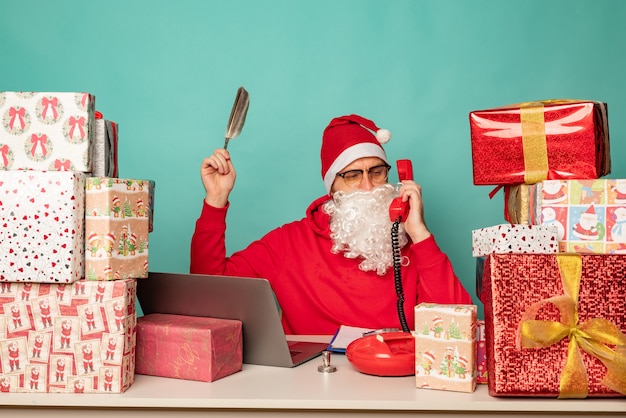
(437, 281)
(208, 245)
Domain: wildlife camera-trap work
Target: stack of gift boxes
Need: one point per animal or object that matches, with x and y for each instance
(552, 275)
(73, 241)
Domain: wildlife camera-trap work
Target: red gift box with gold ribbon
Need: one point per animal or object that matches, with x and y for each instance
(555, 324)
(530, 142)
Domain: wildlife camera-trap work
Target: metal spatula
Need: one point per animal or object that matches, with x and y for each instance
(237, 115)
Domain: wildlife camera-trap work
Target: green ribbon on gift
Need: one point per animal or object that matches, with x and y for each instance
(594, 336)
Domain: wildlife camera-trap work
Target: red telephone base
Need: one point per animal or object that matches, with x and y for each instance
(386, 354)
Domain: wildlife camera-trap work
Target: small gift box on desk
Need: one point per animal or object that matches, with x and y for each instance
(555, 325)
(117, 218)
(76, 338)
(590, 215)
(186, 347)
(445, 347)
(508, 238)
(47, 131)
(42, 215)
(534, 141)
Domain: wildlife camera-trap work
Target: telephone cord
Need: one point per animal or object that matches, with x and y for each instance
(397, 274)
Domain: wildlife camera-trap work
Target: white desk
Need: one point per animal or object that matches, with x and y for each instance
(301, 391)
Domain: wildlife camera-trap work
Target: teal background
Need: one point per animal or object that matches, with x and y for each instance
(167, 72)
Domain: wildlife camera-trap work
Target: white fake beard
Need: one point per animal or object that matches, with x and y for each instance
(360, 227)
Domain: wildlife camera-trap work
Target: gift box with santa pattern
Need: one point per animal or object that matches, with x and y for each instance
(555, 324)
(47, 131)
(117, 218)
(42, 219)
(445, 347)
(590, 215)
(74, 338)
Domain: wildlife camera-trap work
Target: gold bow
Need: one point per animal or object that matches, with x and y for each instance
(593, 336)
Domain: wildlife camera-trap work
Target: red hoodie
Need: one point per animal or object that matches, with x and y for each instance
(316, 289)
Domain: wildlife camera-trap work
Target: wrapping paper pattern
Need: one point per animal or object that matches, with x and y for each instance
(105, 148)
(116, 228)
(445, 347)
(191, 348)
(590, 215)
(481, 353)
(516, 371)
(507, 238)
(46, 131)
(530, 142)
(77, 338)
(42, 219)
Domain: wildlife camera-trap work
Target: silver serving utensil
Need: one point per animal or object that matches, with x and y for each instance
(237, 115)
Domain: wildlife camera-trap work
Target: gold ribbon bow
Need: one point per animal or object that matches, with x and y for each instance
(593, 336)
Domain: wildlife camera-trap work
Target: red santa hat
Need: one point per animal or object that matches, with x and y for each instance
(348, 138)
(462, 361)
(430, 356)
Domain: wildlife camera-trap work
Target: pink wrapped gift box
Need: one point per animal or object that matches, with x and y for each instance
(445, 347)
(47, 131)
(508, 238)
(42, 214)
(76, 338)
(191, 348)
(116, 228)
(540, 309)
(589, 215)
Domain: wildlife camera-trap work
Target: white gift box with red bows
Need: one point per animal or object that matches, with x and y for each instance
(47, 131)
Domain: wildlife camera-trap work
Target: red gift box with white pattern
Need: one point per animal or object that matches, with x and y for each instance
(74, 338)
(529, 142)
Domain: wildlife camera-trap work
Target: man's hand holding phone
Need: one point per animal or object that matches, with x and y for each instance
(409, 204)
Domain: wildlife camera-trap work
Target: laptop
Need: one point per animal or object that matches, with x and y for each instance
(251, 301)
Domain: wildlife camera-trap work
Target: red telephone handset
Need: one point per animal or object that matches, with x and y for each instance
(399, 209)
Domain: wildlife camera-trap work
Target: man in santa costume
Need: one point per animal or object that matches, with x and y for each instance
(34, 378)
(37, 346)
(45, 312)
(59, 372)
(334, 266)
(87, 358)
(14, 356)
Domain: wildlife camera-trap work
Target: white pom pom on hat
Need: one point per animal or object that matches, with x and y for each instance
(383, 135)
(348, 138)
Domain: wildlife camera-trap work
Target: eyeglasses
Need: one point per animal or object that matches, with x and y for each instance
(377, 175)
